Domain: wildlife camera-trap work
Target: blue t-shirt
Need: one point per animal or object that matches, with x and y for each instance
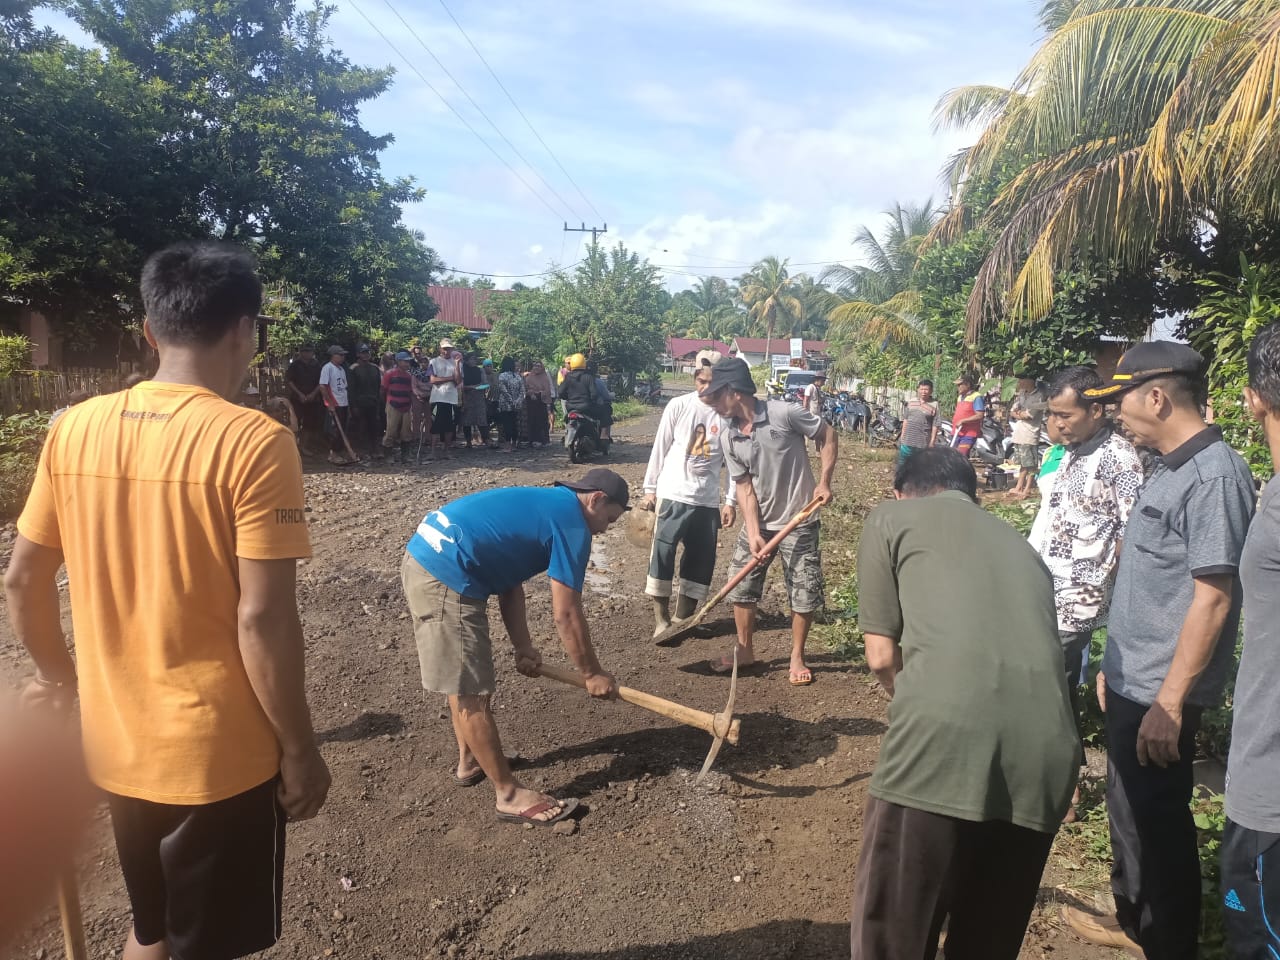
(490, 542)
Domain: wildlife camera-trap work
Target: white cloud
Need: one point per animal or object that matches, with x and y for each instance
(535, 249)
(812, 21)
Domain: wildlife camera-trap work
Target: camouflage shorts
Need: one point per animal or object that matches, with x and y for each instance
(801, 567)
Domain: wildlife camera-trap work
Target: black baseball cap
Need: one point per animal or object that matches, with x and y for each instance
(733, 373)
(600, 480)
(1147, 361)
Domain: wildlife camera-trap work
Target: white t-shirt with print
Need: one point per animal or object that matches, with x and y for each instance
(687, 455)
(335, 378)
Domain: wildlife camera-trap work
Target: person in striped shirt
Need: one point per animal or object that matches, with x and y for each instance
(397, 387)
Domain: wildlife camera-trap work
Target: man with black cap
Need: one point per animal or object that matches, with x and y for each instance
(1175, 612)
(971, 408)
(488, 544)
(337, 399)
(303, 380)
(813, 394)
(366, 389)
(768, 461)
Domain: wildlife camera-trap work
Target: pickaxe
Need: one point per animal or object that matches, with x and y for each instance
(723, 725)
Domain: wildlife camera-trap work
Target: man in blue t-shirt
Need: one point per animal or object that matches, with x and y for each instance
(488, 544)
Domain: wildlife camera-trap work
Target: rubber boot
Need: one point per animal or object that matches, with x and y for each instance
(406, 451)
(686, 607)
(661, 614)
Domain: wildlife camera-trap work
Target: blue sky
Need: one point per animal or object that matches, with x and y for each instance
(707, 133)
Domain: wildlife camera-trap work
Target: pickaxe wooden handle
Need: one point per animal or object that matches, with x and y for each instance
(69, 913)
(719, 725)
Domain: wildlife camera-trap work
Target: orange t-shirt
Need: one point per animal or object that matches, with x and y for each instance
(152, 494)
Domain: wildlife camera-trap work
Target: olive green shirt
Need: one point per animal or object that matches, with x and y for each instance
(980, 727)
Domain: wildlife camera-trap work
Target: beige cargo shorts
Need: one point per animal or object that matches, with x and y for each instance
(452, 634)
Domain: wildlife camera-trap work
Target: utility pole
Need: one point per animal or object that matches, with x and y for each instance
(585, 229)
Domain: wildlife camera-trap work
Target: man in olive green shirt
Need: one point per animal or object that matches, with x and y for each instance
(977, 767)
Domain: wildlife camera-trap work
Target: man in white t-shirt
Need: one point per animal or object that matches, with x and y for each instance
(333, 385)
(813, 394)
(683, 484)
(445, 374)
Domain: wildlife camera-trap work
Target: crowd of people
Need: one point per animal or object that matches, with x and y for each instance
(189, 655)
(408, 403)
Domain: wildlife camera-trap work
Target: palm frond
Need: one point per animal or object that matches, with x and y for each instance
(900, 319)
(962, 107)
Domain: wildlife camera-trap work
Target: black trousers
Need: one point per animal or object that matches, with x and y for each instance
(340, 416)
(918, 870)
(362, 424)
(1251, 892)
(1155, 872)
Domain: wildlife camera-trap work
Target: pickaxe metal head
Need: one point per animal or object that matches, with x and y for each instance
(726, 725)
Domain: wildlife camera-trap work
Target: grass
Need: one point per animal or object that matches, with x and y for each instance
(627, 409)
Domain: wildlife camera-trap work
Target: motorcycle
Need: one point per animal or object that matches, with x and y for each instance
(650, 394)
(582, 438)
(884, 428)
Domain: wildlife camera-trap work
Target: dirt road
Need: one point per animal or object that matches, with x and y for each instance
(402, 863)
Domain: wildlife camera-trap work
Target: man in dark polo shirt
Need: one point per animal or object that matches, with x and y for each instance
(769, 463)
(1175, 612)
(1251, 839)
(977, 767)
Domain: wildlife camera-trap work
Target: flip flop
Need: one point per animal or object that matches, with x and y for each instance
(568, 806)
(801, 678)
(513, 761)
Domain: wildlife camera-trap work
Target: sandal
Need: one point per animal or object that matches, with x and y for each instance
(567, 806)
(801, 678)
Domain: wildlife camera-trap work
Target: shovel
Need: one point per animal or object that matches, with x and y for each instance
(680, 627)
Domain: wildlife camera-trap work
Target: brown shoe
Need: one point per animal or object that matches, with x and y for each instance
(1104, 931)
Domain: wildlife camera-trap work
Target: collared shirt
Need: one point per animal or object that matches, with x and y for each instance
(1092, 494)
(1034, 403)
(1253, 769)
(1189, 521)
(774, 456)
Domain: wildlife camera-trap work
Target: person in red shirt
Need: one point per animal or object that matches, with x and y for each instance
(397, 387)
(966, 422)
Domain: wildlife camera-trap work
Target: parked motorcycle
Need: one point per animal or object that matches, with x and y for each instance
(582, 438)
(884, 428)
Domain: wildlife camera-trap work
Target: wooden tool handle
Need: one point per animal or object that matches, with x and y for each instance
(805, 513)
(666, 708)
(69, 912)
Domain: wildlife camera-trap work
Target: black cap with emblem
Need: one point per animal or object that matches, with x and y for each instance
(1148, 361)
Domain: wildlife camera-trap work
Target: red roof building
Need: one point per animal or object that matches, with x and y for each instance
(681, 348)
(779, 344)
(463, 306)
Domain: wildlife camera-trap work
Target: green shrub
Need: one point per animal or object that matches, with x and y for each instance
(15, 354)
(20, 439)
(839, 630)
(626, 408)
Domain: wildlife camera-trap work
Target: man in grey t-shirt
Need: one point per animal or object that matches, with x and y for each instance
(1174, 616)
(1251, 838)
(768, 461)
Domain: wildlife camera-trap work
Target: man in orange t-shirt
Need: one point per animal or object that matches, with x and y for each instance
(180, 518)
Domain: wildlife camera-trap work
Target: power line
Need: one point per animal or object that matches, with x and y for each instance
(409, 63)
(513, 276)
(500, 84)
(479, 109)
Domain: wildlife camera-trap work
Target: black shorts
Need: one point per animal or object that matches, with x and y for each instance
(206, 879)
(443, 419)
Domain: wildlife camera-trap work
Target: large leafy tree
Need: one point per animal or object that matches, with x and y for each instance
(611, 309)
(1135, 124)
(769, 293)
(88, 181)
(234, 119)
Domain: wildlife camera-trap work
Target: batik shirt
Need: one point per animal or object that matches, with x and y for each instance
(1094, 490)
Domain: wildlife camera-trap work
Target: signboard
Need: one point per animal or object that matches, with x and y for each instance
(797, 348)
(780, 360)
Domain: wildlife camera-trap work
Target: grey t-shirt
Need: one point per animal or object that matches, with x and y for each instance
(775, 457)
(1190, 521)
(1253, 768)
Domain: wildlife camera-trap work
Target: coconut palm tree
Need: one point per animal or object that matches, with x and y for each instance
(874, 301)
(769, 294)
(1135, 121)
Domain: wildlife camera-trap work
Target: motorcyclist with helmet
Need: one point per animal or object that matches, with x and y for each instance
(578, 390)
